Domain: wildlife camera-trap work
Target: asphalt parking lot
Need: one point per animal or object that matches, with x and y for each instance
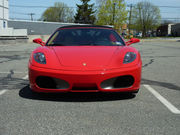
(155, 110)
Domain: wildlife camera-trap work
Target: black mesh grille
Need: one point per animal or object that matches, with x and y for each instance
(51, 83)
(118, 82)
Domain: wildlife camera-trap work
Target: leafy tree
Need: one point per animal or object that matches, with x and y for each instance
(60, 12)
(146, 17)
(85, 13)
(112, 12)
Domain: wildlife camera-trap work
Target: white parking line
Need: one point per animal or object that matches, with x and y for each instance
(25, 78)
(170, 106)
(3, 91)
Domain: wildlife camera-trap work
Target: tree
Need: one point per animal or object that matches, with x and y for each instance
(85, 13)
(112, 12)
(146, 17)
(60, 12)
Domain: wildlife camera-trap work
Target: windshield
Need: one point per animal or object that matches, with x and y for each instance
(85, 36)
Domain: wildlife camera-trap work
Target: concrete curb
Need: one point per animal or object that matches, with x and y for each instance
(13, 39)
(161, 40)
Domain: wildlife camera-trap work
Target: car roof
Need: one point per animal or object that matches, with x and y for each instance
(84, 26)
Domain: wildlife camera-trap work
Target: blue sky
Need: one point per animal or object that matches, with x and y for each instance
(21, 13)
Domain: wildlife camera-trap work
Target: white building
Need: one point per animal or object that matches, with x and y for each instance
(4, 13)
(4, 17)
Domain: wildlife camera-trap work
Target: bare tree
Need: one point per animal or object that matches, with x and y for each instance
(146, 17)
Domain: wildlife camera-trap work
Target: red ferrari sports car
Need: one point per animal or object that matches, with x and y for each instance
(85, 58)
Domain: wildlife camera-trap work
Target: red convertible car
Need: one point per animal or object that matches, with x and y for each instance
(85, 58)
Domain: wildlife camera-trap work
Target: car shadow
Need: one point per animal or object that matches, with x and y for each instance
(27, 93)
(162, 84)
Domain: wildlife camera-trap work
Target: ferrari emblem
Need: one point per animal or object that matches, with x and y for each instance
(84, 64)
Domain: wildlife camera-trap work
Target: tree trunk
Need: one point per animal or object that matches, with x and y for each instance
(144, 31)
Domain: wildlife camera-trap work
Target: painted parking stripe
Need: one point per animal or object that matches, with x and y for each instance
(164, 101)
(3, 91)
(25, 78)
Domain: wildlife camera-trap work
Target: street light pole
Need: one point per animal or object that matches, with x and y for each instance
(114, 9)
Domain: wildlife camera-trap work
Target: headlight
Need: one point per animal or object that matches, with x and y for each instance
(40, 58)
(129, 57)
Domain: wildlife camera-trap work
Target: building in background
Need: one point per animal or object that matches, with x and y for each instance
(5, 31)
(4, 13)
(37, 29)
(176, 30)
(169, 30)
(164, 30)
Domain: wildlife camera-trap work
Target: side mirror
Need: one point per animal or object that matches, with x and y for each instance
(39, 41)
(132, 41)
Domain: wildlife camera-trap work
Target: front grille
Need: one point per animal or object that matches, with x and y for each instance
(118, 82)
(84, 86)
(51, 83)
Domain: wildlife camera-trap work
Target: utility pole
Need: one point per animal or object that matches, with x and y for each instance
(31, 15)
(130, 16)
(114, 9)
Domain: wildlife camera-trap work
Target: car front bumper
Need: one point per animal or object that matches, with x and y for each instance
(85, 81)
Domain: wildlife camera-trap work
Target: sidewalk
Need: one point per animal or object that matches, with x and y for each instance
(161, 39)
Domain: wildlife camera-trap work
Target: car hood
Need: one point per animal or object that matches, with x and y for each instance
(85, 56)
